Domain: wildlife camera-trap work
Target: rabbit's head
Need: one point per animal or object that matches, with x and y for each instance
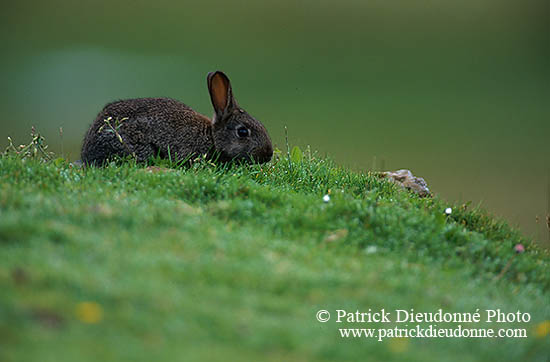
(237, 135)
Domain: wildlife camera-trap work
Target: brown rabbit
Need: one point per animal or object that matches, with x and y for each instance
(147, 127)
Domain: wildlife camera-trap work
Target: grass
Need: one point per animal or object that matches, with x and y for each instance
(232, 263)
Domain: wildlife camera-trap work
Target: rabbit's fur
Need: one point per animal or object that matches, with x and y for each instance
(148, 127)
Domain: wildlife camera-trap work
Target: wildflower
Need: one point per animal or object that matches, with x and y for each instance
(89, 312)
(519, 248)
(398, 345)
(542, 329)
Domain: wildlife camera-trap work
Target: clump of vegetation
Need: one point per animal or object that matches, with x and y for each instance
(36, 149)
(113, 126)
(233, 261)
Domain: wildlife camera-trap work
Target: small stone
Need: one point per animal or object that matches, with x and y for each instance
(76, 164)
(519, 248)
(408, 181)
(336, 235)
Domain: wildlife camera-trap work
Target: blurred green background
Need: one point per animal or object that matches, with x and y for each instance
(458, 92)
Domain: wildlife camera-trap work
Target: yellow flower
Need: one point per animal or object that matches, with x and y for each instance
(542, 329)
(89, 312)
(398, 345)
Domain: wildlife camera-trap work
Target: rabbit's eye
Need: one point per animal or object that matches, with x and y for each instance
(243, 132)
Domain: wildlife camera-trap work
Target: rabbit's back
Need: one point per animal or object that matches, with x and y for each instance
(153, 109)
(148, 127)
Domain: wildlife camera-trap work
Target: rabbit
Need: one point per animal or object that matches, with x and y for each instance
(147, 127)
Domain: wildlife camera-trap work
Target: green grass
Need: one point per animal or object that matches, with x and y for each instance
(232, 263)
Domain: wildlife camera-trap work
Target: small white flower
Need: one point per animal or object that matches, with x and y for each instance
(371, 249)
(448, 211)
(326, 198)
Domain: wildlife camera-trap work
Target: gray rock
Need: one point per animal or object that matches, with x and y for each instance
(407, 180)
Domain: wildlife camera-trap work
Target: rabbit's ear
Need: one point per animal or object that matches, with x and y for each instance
(221, 94)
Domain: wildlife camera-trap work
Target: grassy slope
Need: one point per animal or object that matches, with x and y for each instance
(232, 264)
